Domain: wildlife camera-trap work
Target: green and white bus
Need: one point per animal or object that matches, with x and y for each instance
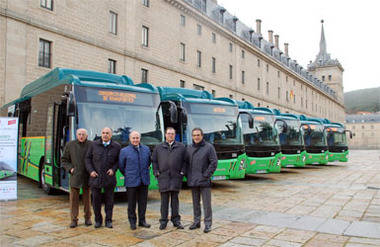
(336, 141)
(219, 120)
(51, 109)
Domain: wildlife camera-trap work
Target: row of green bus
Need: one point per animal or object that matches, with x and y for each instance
(247, 139)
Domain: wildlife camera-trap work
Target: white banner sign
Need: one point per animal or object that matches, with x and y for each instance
(8, 158)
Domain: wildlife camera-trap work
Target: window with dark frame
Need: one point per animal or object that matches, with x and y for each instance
(47, 4)
(279, 92)
(44, 55)
(199, 59)
(144, 75)
(182, 83)
(111, 66)
(213, 64)
(230, 47)
(145, 36)
(267, 88)
(183, 20)
(242, 76)
(213, 38)
(230, 71)
(145, 3)
(258, 62)
(198, 87)
(199, 29)
(213, 93)
(183, 52)
(242, 54)
(113, 22)
(258, 84)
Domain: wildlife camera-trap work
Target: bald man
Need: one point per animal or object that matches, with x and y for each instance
(73, 161)
(102, 163)
(134, 163)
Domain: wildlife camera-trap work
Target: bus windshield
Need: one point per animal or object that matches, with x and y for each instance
(263, 132)
(314, 135)
(292, 136)
(122, 111)
(336, 137)
(218, 122)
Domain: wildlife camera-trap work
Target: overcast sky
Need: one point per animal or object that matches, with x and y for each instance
(351, 31)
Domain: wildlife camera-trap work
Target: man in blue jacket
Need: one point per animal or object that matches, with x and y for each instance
(134, 163)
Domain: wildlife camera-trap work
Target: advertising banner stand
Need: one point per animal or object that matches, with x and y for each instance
(8, 158)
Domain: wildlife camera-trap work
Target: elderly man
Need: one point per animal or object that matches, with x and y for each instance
(201, 165)
(101, 164)
(134, 163)
(169, 168)
(73, 162)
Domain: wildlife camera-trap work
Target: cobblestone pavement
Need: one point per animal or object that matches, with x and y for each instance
(333, 205)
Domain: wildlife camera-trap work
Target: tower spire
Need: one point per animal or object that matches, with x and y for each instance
(322, 43)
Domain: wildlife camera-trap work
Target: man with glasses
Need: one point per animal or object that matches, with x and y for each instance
(169, 168)
(101, 164)
(73, 162)
(201, 162)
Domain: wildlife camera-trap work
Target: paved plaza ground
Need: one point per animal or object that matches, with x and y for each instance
(333, 205)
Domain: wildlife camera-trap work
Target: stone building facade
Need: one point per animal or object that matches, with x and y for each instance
(189, 43)
(366, 130)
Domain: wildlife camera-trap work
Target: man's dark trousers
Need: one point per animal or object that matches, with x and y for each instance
(174, 203)
(97, 203)
(137, 194)
(205, 192)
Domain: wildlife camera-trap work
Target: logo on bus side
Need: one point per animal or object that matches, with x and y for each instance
(117, 96)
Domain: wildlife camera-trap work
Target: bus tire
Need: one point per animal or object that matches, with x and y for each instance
(45, 187)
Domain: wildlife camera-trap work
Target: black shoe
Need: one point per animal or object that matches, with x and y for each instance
(133, 226)
(74, 224)
(109, 224)
(98, 224)
(144, 224)
(162, 226)
(179, 225)
(195, 226)
(207, 229)
(88, 222)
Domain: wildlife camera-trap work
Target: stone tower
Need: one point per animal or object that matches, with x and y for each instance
(328, 70)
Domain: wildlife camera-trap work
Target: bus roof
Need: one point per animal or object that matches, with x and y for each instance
(247, 106)
(288, 116)
(87, 78)
(192, 96)
(305, 119)
(327, 122)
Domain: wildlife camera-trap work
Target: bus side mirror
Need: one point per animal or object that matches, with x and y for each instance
(184, 116)
(173, 111)
(284, 125)
(71, 105)
(250, 118)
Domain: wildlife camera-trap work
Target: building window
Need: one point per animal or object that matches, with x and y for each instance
(145, 36)
(286, 78)
(47, 4)
(258, 104)
(242, 76)
(111, 66)
(323, 78)
(287, 96)
(306, 103)
(231, 96)
(199, 29)
(258, 62)
(242, 54)
(301, 102)
(267, 67)
(230, 47)
(144, 75)
(44, 56)
(279, 92)
(183, 20)
(199, 59)
(145, 3)
(267, 89)
(183, 52)
(278, 73)
(198, 87)
(213, 93)
(213, 38)
(330, 77)
(258, 84)
(294, 98)
(203, 5)
(182, 83)
(230, 71)
(113, 22)
(213, 65)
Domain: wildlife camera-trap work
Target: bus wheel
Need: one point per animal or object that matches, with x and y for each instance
(45, 187)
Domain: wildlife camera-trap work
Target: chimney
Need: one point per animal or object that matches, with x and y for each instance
(276, 40)
(258, 27)
(286, 47)
(270, 36)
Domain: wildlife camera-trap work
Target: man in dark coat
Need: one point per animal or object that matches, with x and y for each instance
(101, 164)
(134, 163)
(169, 168)
(201, 162)
(73, 161)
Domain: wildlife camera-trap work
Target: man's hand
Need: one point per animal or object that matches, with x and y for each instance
(110, 172)
(93, 174)
(72, 170)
